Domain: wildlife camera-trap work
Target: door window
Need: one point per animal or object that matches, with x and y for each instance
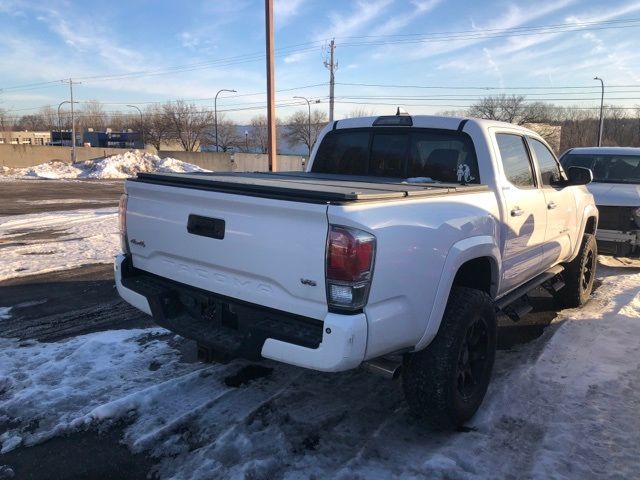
(549, 167)
(515, 160)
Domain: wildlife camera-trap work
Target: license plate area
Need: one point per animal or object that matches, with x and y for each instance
(206, 226)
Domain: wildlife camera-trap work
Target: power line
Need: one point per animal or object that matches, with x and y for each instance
(461, 87)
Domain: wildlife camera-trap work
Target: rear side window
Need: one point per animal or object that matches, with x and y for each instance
(441, 155)
(346, 154)
(515, 160)
(549, 168)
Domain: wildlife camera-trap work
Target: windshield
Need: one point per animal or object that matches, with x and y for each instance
(410, 154)
(607, 168)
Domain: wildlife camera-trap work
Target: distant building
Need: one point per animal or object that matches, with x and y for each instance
(62, 138)
(25, 138)
(111, 139)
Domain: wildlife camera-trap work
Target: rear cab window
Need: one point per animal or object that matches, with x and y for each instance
(401, 153)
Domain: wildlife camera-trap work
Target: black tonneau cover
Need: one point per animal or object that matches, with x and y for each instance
(305, 187)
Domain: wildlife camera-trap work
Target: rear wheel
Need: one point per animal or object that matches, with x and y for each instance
(580, 274)
(445, 383)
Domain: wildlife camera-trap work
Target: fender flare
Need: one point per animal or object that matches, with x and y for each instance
(460, 253)
(589, 211)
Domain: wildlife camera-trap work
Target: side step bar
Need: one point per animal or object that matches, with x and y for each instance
(515, 303)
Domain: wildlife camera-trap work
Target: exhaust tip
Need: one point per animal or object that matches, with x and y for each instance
(384, 367)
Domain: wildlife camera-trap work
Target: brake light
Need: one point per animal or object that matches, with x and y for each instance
(122, 222)
(350, 258)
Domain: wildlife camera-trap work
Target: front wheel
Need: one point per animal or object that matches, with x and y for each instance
(580, 274)
(445, 383)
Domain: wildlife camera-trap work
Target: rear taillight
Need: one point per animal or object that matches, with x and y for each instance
(350, 258)
(122, 222)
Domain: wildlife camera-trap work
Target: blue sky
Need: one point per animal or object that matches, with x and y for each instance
(379, 42)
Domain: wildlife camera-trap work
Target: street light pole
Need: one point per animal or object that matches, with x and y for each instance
(215, 111)
(141, 123)
(59, 123)
(601, 108)
(309, 126)
(246, 140)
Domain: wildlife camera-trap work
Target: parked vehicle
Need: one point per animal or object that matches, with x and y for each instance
(616, 189)
(394, 249)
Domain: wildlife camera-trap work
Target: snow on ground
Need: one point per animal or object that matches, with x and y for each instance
(52, 241)
(5, 313)
(562, 406)
(123, 165)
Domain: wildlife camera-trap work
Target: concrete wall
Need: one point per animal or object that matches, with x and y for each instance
(235, 162)
(29, 155)
(21, 156)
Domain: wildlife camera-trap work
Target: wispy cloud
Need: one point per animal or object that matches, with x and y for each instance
(398, 22)
(351, 23)
(285, 10)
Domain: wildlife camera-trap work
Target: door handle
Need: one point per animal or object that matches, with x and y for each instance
(551, 205)
(516, 212)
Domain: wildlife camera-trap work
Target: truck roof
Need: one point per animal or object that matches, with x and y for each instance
(430, 121)
(605, 151)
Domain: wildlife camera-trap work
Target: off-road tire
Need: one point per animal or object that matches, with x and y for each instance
(579, 275)
(434, 379)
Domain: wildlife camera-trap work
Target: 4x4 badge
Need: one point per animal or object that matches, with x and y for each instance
(306, 281)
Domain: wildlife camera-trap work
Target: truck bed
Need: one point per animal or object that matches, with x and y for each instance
(306, 187)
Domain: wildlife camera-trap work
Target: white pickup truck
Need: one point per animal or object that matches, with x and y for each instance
(394, 249)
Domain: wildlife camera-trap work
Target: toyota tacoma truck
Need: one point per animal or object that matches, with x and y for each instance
(394, 250)
(616, 189)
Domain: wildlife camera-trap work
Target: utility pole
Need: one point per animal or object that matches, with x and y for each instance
(601, 108)
(271, 92)
(332, 66)
(73, 123)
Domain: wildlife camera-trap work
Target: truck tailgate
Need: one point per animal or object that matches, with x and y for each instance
(260, 250)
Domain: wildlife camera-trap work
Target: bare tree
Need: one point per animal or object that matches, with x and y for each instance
(31, 122)
(227, 134)
(92, 115)
(258, 133)
(157, 128)
(297, 131)
(510, 108)
(49, 117)
(360, 112)
(189, 124)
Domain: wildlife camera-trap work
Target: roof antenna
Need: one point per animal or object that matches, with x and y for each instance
(401, 111)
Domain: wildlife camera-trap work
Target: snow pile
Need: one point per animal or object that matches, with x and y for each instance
(123, 165)
(52, 241)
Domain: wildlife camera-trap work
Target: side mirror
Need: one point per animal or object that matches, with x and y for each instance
(579, 176)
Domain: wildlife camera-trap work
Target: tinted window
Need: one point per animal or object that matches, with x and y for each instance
(607, 168)
(444, 156)
(388, 154)
(343, 152)
(515, 160)
(549, 169)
